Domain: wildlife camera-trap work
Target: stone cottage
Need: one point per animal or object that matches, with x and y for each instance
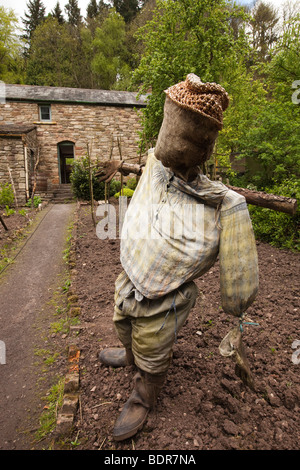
(46, 128)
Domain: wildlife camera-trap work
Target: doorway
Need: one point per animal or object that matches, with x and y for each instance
(65, 160)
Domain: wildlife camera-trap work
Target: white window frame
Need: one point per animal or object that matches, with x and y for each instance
(40, 112)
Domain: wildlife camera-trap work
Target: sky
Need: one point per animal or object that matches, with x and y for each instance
(20, 6)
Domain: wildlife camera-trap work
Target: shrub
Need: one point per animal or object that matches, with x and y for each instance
(36, 201)
(6, 195)
(131, 183)
(125, 192)
(80, 181)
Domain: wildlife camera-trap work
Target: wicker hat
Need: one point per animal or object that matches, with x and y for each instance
(207, 99)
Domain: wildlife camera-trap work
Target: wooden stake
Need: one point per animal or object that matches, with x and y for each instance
(91, 186)
(35, 174)
(3, 223)
(13, 185)
(121, 158)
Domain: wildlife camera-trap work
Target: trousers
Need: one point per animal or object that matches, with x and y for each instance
(149, 327)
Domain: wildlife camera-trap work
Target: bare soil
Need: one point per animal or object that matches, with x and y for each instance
(203, 405)
(15, 223)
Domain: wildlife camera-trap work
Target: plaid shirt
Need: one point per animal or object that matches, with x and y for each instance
(174, 231)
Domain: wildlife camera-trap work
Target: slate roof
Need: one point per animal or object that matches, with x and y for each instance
(16, 129)
(49, 94)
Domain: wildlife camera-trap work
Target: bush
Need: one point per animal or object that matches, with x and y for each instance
(6, 195)
(277, 228)
(125, 192)
(36, 201)
(131, 183)
(81, 186)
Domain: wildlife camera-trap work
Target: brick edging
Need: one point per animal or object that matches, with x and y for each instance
(71, 396)
(67, 413)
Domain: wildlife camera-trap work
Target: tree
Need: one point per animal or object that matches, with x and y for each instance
(73, 13)
(108, 63)
(49, 61)
(263, 24)
(96, 14)
(127, 8)
(57, 13)
(33, 18)
(183, 37)
(10, 47)
(285, 64)
(92, 9)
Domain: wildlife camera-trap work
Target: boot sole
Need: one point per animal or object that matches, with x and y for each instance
(113, 357)
(132, 432)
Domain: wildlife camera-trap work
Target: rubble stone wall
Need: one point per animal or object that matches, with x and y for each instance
(81, 124)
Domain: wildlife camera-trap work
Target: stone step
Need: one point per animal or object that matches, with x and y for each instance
(62, 193)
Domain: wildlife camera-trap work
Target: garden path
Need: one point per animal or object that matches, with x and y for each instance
(25, 288)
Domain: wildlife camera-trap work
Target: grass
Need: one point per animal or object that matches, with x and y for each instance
(48, 418)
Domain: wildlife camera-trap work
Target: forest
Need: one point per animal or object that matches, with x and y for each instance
(147, 46)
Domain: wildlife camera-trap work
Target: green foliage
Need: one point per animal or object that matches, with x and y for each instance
(34, 17)
(9, 211)
(127, 8)
(262, 123)
(272, 141)
(35, 203)
(109, 60)
(124, 192)
(183, 37)
(6, 195)
(54, 400)
(277, 228)
(10, 47)
(80, 181)
(49, 63)
(73, 12)
(23, 212)
(131, 183)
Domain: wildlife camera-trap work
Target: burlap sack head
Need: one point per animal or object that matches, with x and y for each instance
(193, 115)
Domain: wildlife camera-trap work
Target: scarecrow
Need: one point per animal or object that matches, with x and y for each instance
(177, 224)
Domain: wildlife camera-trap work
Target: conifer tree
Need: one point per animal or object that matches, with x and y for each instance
(34, 17)
(58, 14)
(127, 8)
(92, 9)
(73, 13)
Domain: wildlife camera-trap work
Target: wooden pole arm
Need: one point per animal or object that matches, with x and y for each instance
(257, 198)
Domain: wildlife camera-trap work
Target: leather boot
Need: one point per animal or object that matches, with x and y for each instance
(142, 399)
(116, 357)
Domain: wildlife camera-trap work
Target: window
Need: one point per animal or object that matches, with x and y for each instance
(45, 112)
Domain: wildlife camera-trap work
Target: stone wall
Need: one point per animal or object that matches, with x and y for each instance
(14, 169)
(12, 155)
(80, 124)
